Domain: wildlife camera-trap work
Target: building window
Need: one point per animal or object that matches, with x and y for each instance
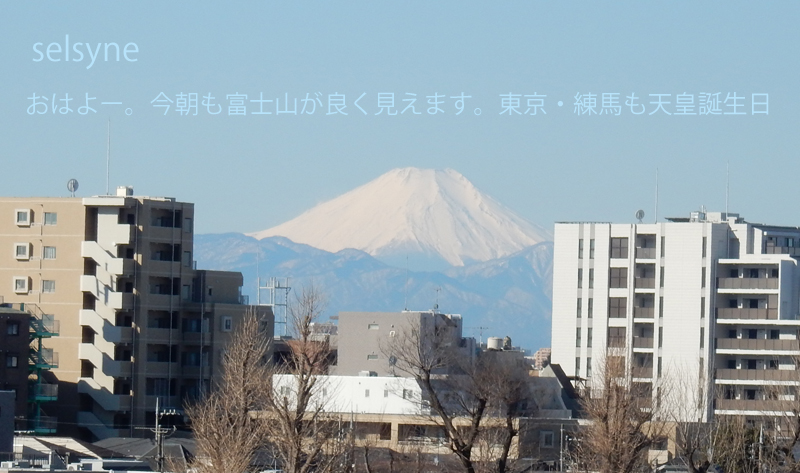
(577, 366)
(580, 278)
(546, 439)
(589, 367)
(618, 277)
(50, 218)
(372, 357)
(589, 308)
(578, 337)
(12, 328)
(385, 393)
(702, 307)
(12, 361)
(580, 303)
(187, 259)
(187, 225)
(373, 326)
(49, 252)
(619, 247)
(591, 278)
(580, 249)
(661, 277)
(702, 337)
(186, 292)
(616, 336)
(703, 277)
(407, 394)
(22, 217)
(591, 248)
(659, 367)
(663, 241)
(227, 324)
(660, 337)
(48, 286)
(589, 337)
(366, 393)
(705, 243)
(661, 307)
(20, 285)
(617, 307)
(22, 251)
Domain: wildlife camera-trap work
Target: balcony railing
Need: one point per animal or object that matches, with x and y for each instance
(44, 359)
(642, 371)
(761, 405)
(756, 344)
(642, 342)
(757, 375)
(747, 314)
(45, 328)
(782, 250)
(44, 392)
(643, 312)
(646, 253)
(44, 424)
(644, 283)
(747, 283)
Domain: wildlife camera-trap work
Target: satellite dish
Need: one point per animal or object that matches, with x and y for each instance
(72, 186)
(640, 215)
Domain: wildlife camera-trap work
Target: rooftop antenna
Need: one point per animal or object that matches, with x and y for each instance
(727, 186)
(108, 156)
(436, 306)
(72, 186)
(655, 214)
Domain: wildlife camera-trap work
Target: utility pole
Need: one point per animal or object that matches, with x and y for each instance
(160, 434)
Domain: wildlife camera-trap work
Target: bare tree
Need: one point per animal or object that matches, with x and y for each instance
(626, 420)
(227, 433)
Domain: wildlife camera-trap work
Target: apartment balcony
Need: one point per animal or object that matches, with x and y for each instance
(43, 392)
(643, 342)
(45, 359)
(747, 283)
(645, 253)
(103, 293)
(643, 312)
(643, 402)
(197, 338)
(782, 250)
(747, 314)
(104, 328)
(98, 427)
(757, 344)
(759, 405)
(757, 375)
(642, 371)
(107, 261)
(644, 283)
(44, 328)
(103, 362)
(163, 368)
(43, 425)
(107, 400)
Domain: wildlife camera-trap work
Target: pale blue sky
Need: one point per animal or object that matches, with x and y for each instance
(253, 172)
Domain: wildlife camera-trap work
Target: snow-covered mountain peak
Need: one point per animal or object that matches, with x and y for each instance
(412, 211)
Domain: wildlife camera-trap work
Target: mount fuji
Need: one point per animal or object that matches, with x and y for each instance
(411, 238)
(423, 214)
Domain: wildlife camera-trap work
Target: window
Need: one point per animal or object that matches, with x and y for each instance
(580, 303)
(373, 326)
(22, 251)
(227, 324)
(12, 328)
(751, 364)
(577, 366)
(659, 367)
(578, 337)
(731, 364)
(617, 307)
(48, 286)
(285, 391)
(49, 252)
(660, 307)
(591, 248)
(187, 259)
(186, 292)
(702, 337)
(372, 357)
(660, 337)
(385, 393)
(774, 334)
(616, 336)
(705, 243)
(663, 240)
(187, 225)
(589, 367)
(703, 278)
(619, 247)
(546, 439)
(661, 277)
(589, 337)
(22, 217)
(407, 394)
(50, 218)
(20, 285)
(580, 278)
(366, 393)
(591, 278)
(618, 277)
(590, 308)
(12, 361)
(580, 249)
(752, 334)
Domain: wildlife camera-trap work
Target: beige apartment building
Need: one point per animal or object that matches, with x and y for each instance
(137, 320)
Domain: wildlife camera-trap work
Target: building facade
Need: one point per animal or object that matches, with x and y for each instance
(708, 303)
(138, 320)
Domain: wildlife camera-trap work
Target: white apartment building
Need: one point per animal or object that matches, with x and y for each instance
(709, 302)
